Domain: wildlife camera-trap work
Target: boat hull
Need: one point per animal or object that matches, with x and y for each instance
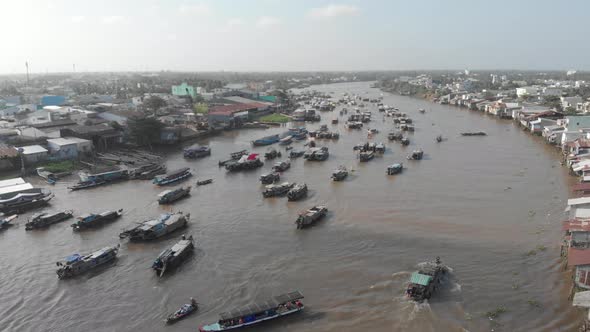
(217, 327)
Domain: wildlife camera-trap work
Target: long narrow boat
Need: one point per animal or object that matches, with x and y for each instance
(87, 185)
(268, 140)
(155, 228)
(76, 264)
(25, 201)
(6, 221)
(171, 196)
(42, 220)
(259, 312)
(94, 220)
(173, 257)
(175, 176)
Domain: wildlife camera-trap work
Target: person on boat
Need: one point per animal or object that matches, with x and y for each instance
(193, 302)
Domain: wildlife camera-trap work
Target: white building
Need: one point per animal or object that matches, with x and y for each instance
(33, 153)
(576, 102)
(527, 91)
(552, 91)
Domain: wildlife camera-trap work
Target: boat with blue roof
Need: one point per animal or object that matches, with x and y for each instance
(77, 264)
(156, 228)
(172, 177)
(267, 140)
(92, 220)
(174, 256)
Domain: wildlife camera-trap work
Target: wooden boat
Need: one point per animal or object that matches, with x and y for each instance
(87, 184)
(91, 220)
(296, 154)
(171, 196)
(380, 148)
(175, 176)
(156, 228)
(335, 121)
(41, 220)
(23, 202)
(272, 154)
(204, 182)
(416, 155)
(76, 264)
(405, 141)
(6, 221)
(173, 257)
(281, 166)
(116, 175)
(197, 152)
(477, 133)
(273, 190)
(149, 172)
(426, 280)
(422, 110)
(51, 177)
(270, 178)
(234, 156)
(394, 136)
(395, 169)
(250, 161)
(184, 311)
(339, 174)
(317, 154)
(297, 192)
(310, 216)
(286, 140)
(277, 307)
(365, 156)
(268, 140)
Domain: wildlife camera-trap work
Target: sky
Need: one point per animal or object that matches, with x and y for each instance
(292, 35)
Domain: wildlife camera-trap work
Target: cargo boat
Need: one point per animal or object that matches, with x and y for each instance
(42, 220)
(426, 280)
(268, 140)
(171, 196)
(416, 155)
(173, 257)
(316, 154)
(194, 152)
(339, 174)
(366, 156)
(156, 228)
(250, 161)
(297, 192)
(273, 190)
(76, 264)
(279, 306)
(395, 169)
(25, 201)
(270, 178)
(91, 220)
(281, 166)
(175, 176)
(117, 175)
(310, 216)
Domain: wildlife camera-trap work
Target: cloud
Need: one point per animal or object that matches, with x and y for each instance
(172, 37)
(195, 9)
(267, 21)
(332, 11)
(234, 22)
(78, 19)
(114, 19)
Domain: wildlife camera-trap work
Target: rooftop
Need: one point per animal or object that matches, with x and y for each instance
(235, 108)
(57, 123)
(61, 141)
(32, 149)
(576, 257)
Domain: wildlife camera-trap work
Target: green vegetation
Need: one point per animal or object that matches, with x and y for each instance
(496, 312)
(276, 118)
(60, 166)
(201, 108)
(534, 303)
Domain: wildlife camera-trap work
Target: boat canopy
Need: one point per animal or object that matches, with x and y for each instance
(420, 279)
(73, 258)
(261, 306)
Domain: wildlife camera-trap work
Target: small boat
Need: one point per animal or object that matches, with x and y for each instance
(268, 140)
(296, 154)
(173, 257)
(41, 220)
(339, 174)
(286, 140)
(23, 202)
(197, 152)
(405, 141)
(204, 182)
(183, 312)
(149, 172)
(395, 169)
(416, 155)
(422, 110)
(93, 220)
(51, 177)
(366, 156)
(477, 133)
(288, 148)
(316, 154)
(6, 221)
(297, 192)
(175, 176)
(270, 178)
(156, 228)
(76, 264)
(335, 121)
(281, 166)
(272, 154)
(245, 162)
(394, 136)
(279, 306)
(380, 148)
(171, 196)
(439, 138)
(87, 184)
(111, 176)
(238, 154)
(310, 216)
(373, 131)
(273, 190)
(426, 280)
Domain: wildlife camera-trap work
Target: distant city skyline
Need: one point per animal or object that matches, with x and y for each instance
(283, 35)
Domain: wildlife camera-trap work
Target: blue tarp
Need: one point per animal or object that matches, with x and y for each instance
(73, 258)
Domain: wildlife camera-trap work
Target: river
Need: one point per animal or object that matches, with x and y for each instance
(488, 206)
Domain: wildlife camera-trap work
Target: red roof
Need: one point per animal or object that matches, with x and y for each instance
(234, 108)
(575, 225)
(584, 186)
(577, 257)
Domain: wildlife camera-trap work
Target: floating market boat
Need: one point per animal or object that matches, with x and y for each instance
(234, 156)
(116, 175)
(76, 264)
(272, 154)
(148, 172)
(6, 221)
(183, 312)
(395, 169)
(194, 152)
(270, 178)
(335, 121)
(87, 184)
(273, 190)
(477, 133)
(354, 125)
(286, 140)
(268, 140)
(25, 201)
(94, 220)
(426, 280)
(173, 257)
(296, 154)
(51, 177)
(250, 161)
(175, 176)
(41, 220)
(297, 192)
(365, 156)
(310, 216)
(171, 196)
(405, 141)
(155, 228)
(316, 154)
(380, 147)
(416, 155)
(422, 110)
(281, 166)
(204, 182)
(279, 306)
(340, 173)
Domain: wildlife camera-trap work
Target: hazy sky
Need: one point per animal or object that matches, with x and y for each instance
(296, 35)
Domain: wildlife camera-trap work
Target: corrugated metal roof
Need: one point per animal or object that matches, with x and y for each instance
(235, 108)
(578, 201)
(11, 182)
(577, 257)
(420, 279)
(32, 149)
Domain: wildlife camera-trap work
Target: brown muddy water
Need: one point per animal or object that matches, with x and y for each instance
(488, 206)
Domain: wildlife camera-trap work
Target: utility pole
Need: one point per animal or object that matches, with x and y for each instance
(27, 66)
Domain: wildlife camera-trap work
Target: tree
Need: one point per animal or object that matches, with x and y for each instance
(145, 131)
(553, 102)
(570, 110)
(201, 108)
(154, 103)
